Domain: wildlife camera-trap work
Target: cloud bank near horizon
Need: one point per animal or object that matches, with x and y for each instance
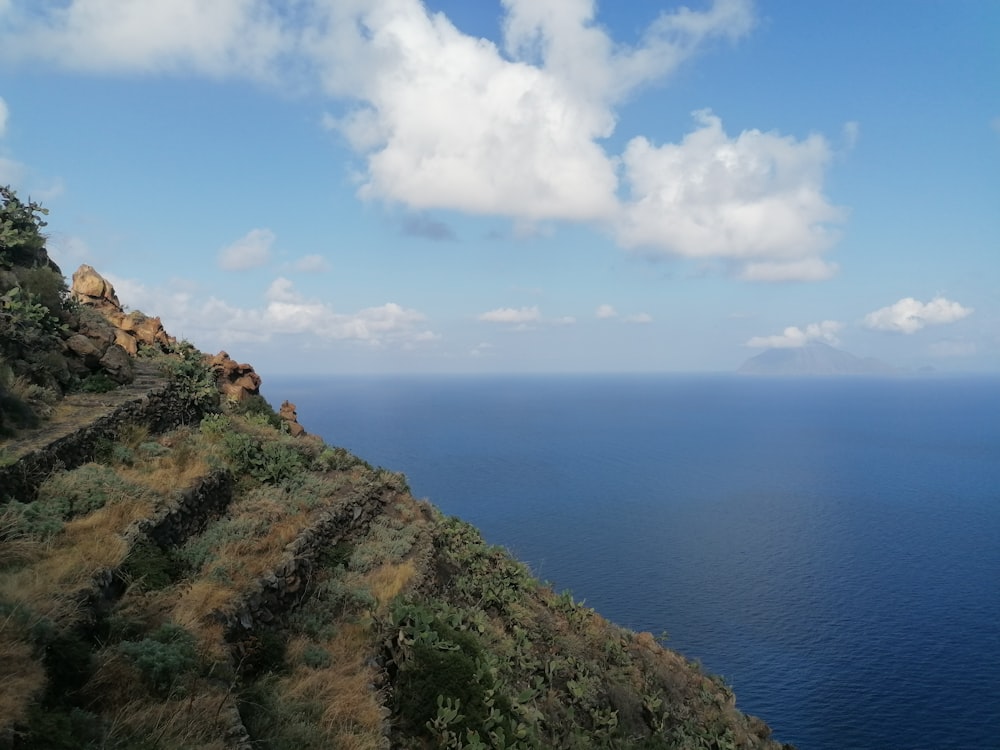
(515, 128)
(910, 315)
(794, 337)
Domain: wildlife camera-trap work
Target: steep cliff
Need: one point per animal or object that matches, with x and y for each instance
(183, 567)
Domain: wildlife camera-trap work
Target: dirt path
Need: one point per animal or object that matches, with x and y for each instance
(79, 410)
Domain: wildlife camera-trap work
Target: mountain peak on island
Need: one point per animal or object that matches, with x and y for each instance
(815, 358)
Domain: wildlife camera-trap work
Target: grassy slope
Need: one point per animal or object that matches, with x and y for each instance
(401, 628)
(409, 631)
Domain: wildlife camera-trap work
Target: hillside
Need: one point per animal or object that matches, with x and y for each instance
(815, 358)
(183, 567)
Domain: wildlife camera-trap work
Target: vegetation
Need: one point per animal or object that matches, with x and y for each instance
(311, 602)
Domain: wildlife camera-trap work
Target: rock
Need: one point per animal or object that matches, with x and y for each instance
(291, 418)
(127, 331)
(118, 365)
(89, 285)
(126, 342)
(236, 381)
(84, 348)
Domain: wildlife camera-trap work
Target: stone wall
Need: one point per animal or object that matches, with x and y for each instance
(160, 410)
(287, 583)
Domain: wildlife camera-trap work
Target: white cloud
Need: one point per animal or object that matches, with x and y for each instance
(565, 320)
(639, 318)
(794, 337)
(605, 311)
(755, 200)
(311, 264)
(245, 38)
(250, 251)
(511, 315)
(4, 113)
(910, 315)
(444, 120)
(282, 312)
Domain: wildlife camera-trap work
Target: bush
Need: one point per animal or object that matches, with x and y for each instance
(164, 657)
(97, 382)
(21, 239)
(70, 494)
(271, 462)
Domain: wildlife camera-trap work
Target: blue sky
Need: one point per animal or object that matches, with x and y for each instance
(521, 186)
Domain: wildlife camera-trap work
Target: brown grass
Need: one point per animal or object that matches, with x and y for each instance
(352, 711)
(198, 722)
(163, 475)
(87, 545)
(388, 581)
(193, 611)
(22, 678)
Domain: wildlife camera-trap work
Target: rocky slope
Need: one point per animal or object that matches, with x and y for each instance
(183, 567)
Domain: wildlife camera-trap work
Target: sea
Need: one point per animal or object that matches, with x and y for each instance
(831, 547)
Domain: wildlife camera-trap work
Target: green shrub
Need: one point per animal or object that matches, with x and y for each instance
(193, 379)
(21, 239)
(316, 657)
(69, 494)
(164, 657)
(97, 382)
(271, 461)
(257, 406)
(150, 566)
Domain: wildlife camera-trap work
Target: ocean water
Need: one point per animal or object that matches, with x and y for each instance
(830, 546)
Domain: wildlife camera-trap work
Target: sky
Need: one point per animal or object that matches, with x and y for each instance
(520, 186)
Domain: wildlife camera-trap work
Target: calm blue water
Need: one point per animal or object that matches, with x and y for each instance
(832, 547)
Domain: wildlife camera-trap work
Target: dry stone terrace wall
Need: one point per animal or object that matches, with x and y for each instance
(287, 583)
(161, 409)
(190, 512)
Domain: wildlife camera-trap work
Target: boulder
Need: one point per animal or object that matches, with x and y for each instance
(90, 286)
(291, 418)
(126, 330)
(84, 348)
(117, 363)
(237, 381)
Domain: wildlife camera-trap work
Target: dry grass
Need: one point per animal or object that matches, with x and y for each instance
(48, 588)
(353, 713)
(15, 548)
(193, 611)
(195, 723)
(388, 581)
(22, 677)
(166, 474)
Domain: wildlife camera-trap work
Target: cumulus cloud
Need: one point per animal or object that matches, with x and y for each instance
(511, 315)
(910, 315)
(221, 38)
(794, 337)
(250, 251)
(516, 128)
(283, 311)
(755, 199)
(4, 113)
(605, 311)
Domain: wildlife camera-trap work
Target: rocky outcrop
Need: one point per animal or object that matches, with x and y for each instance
(290, 417)
(128, 330)
(237, 381)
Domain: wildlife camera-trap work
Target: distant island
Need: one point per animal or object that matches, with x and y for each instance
(815, 358)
